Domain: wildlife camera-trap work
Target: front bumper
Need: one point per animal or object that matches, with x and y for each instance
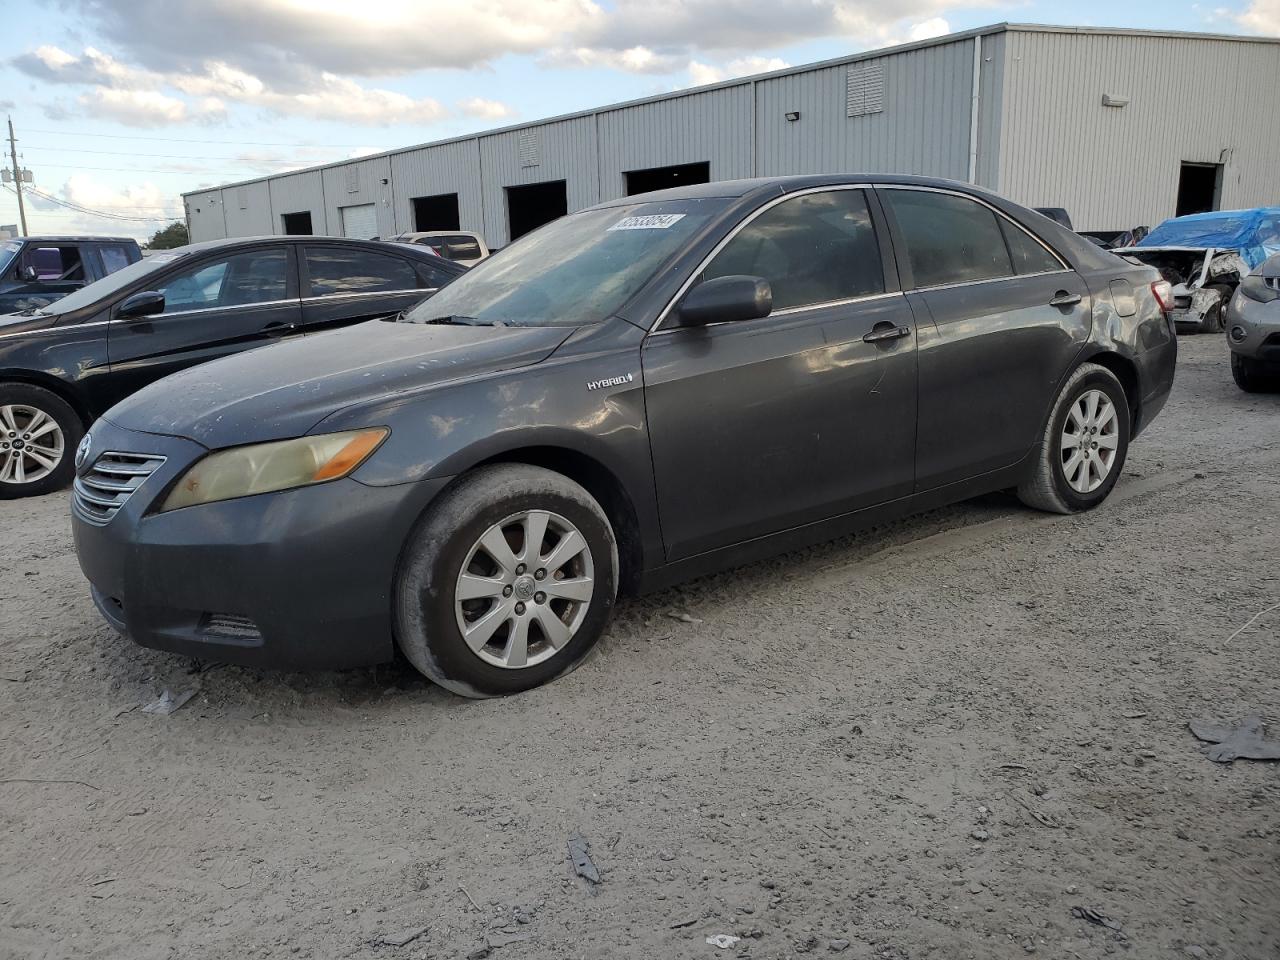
(1253, 329)
(300, 579)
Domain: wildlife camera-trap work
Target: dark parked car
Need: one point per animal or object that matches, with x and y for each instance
(36, 271)
(647, 390)
(63, 364)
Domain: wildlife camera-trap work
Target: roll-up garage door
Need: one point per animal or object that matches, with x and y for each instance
(360, 222)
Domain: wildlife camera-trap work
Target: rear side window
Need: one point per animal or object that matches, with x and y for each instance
(433, 276)
(1029, 255)
(949, 239)
(335, 270)
(114, 256)
(815, 248)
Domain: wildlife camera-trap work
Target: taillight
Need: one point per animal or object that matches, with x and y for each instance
(1163, 294)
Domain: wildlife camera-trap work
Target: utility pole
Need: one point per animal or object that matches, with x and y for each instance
(17, 177)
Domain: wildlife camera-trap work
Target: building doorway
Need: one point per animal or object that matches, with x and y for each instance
(660, 178)
(1199, 188)
(534, 204)
(296, 224)
(436, 213)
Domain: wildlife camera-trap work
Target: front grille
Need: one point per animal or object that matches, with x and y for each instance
(101, 492)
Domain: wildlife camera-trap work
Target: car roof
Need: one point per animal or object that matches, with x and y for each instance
(206, 245)
(735, 189)
(51, 238)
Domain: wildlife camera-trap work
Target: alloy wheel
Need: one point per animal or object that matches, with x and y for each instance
(524, 589)
(1090, 440)
(31, 444)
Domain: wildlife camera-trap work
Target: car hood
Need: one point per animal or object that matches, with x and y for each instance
(284, 390)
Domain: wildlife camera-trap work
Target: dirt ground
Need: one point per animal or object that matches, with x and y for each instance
(933, 740)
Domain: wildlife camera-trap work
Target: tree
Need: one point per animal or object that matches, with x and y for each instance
(174, 235)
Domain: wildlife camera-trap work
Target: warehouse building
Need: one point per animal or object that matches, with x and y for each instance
(1119, 127)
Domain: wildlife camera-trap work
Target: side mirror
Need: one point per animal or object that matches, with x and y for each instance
(144, 304)
(726, 299)
(29, 274)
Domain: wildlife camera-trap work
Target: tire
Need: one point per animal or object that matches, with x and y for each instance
(1250, 378)
(450, 540)
(1212, 322)
(1050, 487)
(33, 413)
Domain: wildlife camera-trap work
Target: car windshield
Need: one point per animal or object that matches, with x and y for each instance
(576, 270)
(98, 290)
(8, 250)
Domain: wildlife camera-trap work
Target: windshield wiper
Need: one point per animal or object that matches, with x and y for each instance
(460, 321)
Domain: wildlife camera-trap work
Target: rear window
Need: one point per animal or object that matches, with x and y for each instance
(949, 239)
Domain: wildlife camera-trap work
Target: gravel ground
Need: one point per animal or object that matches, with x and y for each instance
(933, 740)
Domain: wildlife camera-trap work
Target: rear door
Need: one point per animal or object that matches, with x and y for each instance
(214, 307)
(347, 283)
(1001, 318)
(763, 425)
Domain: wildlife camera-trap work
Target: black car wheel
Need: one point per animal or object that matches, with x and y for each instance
(1212, 321)
(507, 582)
(1249, 376)
(39, 433)
(1084, 445)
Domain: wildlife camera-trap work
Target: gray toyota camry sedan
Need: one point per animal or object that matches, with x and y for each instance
(648, 390)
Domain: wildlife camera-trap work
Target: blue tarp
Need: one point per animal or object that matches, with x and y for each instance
(1255, 233)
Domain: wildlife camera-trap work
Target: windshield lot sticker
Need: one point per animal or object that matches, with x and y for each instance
(658, 221)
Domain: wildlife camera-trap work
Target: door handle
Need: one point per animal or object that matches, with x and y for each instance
(280, 328)
(1064, 299)
(886, 331)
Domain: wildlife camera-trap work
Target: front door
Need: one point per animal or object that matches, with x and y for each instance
(1001, 318)
(214, 307)
(763, 425)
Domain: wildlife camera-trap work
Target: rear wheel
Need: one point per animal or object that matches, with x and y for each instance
(1084, 445)
(38, 435)
(1249, 376)
(1212, 321)
(507, 582)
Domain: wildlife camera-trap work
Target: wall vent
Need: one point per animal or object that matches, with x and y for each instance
(353, 178)
(864, 92)
(530, 148)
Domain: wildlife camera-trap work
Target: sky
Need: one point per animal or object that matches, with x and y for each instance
(120, 106)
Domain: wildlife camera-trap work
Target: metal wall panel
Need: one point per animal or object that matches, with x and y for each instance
(923, 128)
(299, 193)
(247, 209)
(369, 188)
(714, 127)
(204, 216)
(567, 151)
(1190, 99)
(448, 168)
(991, 110)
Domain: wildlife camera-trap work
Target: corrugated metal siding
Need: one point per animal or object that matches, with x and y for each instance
(248, 210)
(990, 110)
(369, 188)
(923, 129)
(567, 151)
(1190, 99)
(298, 193)
(204, 216)
(710, 127)
(450, 168)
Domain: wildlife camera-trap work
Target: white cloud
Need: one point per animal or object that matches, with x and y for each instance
(630, 60)
(1261, 16)
(141, 200)
(702, 73)
(486, 109)
(134, 108)
(928, 29)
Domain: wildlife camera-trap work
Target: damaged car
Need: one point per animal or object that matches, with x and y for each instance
(1205, 256)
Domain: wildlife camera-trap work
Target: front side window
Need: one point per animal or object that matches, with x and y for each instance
(335, 270)
(949, 239)
(245, 279)
(815, 248)
(55, 263)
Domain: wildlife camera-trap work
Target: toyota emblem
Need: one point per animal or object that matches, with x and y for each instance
(82, 451)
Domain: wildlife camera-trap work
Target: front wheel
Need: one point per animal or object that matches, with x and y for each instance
(1249, 377)
(507, 582)
(1084, 445)
(38, 436)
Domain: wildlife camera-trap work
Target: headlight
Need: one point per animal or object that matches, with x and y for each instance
(264, 467)
(1256, 288)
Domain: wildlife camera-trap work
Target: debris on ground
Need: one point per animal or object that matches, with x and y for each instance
(723, 940)
(838, 946)
(496, 941)
(402, 937)
(168, 702)
(1095, 916)
(1242, 742)
(682, 617)
(580, 857)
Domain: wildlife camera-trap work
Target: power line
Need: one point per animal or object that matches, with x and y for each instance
(173, 170)
(89, 211)
(238, 143)
(169, 156)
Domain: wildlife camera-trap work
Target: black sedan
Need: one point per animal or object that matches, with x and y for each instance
(63, 365)
(641, 392)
